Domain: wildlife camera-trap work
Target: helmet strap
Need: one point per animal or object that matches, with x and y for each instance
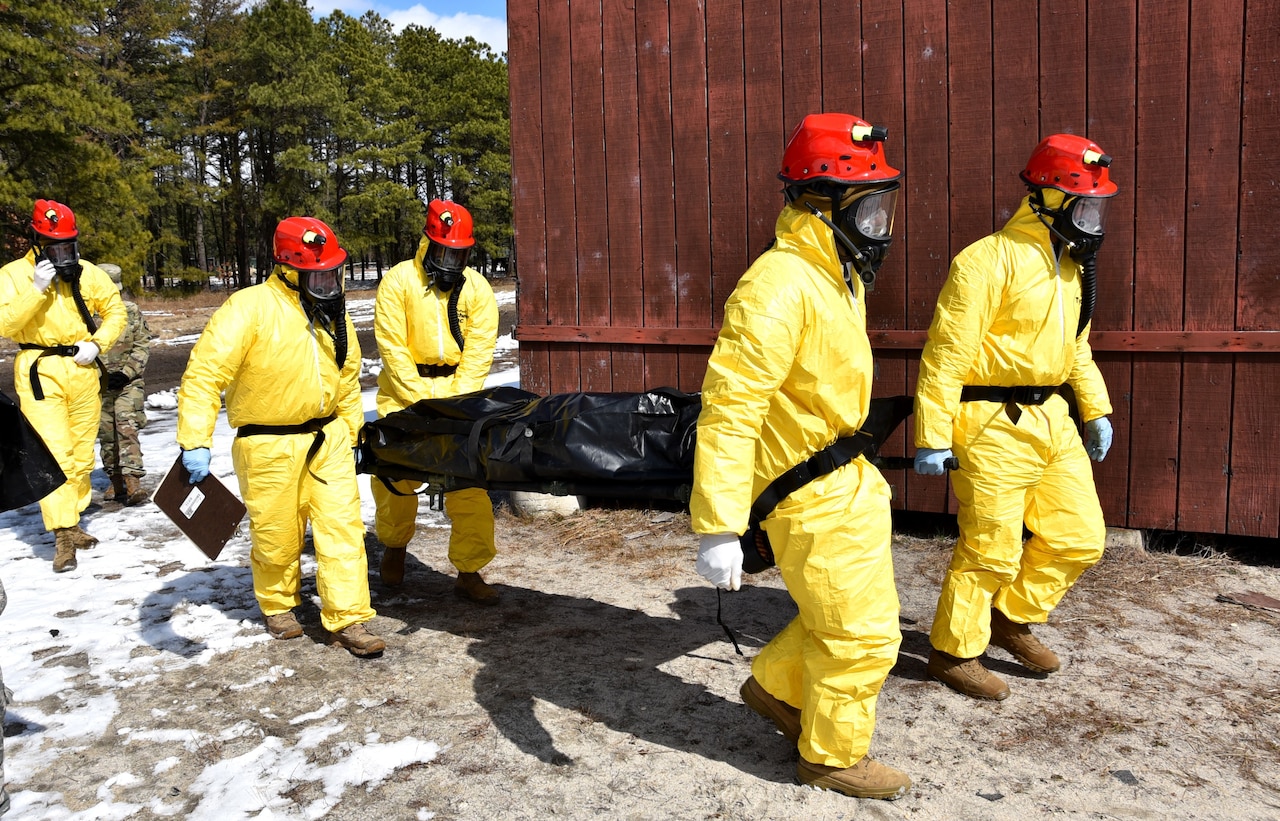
(860, 262)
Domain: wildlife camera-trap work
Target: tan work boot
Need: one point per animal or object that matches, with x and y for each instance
(785, 717)
(866, 779)
(966, 676)
(471, 586)
(391, 571)
(133, 493)
(83, 540)
(115, 490)
(358, 639)
(1026, 648)
(64, 550)
(283, 625)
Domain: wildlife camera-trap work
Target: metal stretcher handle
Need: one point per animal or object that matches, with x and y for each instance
(907, 463)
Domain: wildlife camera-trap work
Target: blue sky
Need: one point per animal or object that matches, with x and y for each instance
(485, 20)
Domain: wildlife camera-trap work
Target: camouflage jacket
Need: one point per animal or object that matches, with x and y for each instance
(132, 350)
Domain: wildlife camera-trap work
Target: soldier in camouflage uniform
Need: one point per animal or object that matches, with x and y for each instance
(122, 405)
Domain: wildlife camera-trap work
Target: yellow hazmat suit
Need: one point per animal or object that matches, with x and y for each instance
(411, 322)
(277, 368)
(790, 373)
(67, 417)
(1007, 316)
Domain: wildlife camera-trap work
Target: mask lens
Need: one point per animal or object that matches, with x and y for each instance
(324, 284)
(873, 214)
(444, 258)
(63, 253)
(1089, 214)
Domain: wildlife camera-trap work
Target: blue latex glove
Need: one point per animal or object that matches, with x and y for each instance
(720, 560)
(196, 461)
(1097, 438)
(931, 462)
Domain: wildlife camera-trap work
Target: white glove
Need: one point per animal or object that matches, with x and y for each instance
(932, 461)
(1097, 438)
(86, 352)
(45, 272)
(720, 560)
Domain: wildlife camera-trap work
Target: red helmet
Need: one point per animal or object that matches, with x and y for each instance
(1072, 164)
(448, 224)
(838, 148)
(53, 220)
(307, 244)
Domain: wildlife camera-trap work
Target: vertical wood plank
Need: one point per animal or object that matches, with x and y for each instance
(926, 187)
(525, 89)
(1258, 284)
(1252, 506)
(589, 184)
(766, 132)
(1015, 101)
(559, 217)
(1160, 214)
(840, 58)
(1215, 87)
(693, 181)
(657, 186)
(1112, 123)
(1255, 447)
(971, 105)
(621, 200)
(726, 111)
(802, 50)
(1062, 71)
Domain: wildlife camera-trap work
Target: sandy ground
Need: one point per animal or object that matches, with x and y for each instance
(602, 687)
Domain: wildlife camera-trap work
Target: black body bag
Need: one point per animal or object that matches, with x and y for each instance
(613, 445)
(28, 470)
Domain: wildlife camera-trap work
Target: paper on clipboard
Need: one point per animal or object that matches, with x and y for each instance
(207, 512)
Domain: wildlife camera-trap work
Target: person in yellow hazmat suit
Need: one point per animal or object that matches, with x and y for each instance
(48, 300)
(789, 376)
(436, 322)
(1010, 329)
(286, 354)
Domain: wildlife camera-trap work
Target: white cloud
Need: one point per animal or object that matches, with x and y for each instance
(457, 26)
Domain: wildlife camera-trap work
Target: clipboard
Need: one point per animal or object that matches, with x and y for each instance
(206, 512)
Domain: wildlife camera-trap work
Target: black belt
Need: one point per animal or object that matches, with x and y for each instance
(1011, 398)
(315, 426)
(37, 390)
(757, 552)
(433, 371)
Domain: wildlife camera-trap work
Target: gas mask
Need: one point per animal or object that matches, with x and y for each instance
(862, 224)
(445, 265)
(1078, 222)
(323, 297)
(65, 257)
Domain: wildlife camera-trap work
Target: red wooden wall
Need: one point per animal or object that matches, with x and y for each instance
(646, 138)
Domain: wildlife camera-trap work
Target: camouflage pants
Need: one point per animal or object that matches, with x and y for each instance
(120, 433)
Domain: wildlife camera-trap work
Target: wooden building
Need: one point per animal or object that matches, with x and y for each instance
(647, 135)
